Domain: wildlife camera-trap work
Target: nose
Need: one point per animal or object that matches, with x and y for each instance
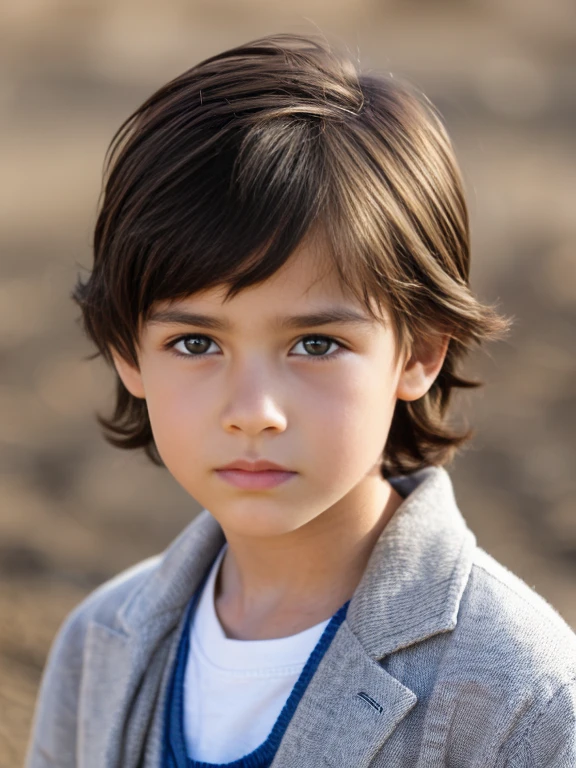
(253, 401)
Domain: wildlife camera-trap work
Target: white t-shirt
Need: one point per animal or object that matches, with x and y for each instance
(234, 690)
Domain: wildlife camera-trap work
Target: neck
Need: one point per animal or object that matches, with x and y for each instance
(278, 586)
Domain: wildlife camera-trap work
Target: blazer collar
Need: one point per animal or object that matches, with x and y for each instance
(414, 580)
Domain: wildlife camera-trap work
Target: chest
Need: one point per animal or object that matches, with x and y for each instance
(356, 711)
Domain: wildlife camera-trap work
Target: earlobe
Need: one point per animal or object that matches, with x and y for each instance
(130, 375)
(421, 368)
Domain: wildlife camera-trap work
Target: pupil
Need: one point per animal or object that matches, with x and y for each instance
(316, 342)
(195, 344)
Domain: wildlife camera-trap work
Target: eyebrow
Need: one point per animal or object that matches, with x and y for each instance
(324, 317)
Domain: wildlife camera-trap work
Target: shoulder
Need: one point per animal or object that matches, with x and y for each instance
(156, 577)
(157, 585)
(101, 606)
(515, 654)
(150, 593)
(103, 603)
(503, 612)
(54, 731)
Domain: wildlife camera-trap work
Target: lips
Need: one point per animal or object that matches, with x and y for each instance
(254, 475)
(262, 465)
(255, 481)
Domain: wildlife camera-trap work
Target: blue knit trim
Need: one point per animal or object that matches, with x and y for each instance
(174, 745)
(175, 754)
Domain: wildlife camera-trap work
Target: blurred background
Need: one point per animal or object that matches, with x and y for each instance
(73, 510)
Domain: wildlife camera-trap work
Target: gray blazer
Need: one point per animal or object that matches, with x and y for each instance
(459, 662)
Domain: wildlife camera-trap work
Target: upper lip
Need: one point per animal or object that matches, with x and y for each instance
(254, 466)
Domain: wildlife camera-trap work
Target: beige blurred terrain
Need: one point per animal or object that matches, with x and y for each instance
(73, 510)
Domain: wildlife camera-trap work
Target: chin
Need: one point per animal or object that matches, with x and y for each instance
(259, 524)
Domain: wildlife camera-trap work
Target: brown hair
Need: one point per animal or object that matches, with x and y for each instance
(223, 171)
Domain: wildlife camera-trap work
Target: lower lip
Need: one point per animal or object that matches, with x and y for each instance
(254, 480)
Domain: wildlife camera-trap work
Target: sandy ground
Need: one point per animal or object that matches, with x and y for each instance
(74, 511)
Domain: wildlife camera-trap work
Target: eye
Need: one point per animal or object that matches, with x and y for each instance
(191, 345)
(319, 345)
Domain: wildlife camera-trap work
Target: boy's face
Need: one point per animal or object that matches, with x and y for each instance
(256, 389)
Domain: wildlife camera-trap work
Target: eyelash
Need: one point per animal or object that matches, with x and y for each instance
(171, 344)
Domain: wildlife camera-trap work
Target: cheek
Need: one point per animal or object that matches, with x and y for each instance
(348, 423)
(176, 418)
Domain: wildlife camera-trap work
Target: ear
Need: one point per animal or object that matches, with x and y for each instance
(422, 367)
(129, 374)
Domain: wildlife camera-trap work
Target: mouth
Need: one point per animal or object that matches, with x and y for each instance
(262, 465)
(254, 480)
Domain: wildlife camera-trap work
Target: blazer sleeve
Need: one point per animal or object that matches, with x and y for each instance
(54, 730)
(550, 740)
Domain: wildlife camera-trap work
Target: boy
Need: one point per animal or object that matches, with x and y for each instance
(301, 230)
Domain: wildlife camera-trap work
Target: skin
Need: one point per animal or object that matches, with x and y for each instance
(296, 552)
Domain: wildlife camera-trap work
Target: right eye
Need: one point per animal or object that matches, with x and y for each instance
(191, 345)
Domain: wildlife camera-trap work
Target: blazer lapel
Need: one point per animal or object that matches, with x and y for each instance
(350, 708)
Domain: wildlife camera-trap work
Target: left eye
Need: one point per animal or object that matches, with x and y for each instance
(318, 345)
